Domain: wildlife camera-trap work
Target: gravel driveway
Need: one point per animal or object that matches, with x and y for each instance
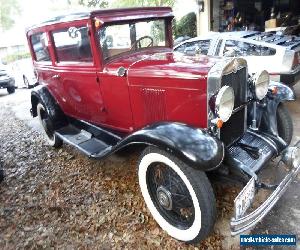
(59, 198)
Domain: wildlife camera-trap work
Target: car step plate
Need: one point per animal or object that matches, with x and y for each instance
(74, 135)
(83, 140)
(244, 199)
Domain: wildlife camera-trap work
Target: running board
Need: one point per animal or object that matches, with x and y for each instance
(85, 141)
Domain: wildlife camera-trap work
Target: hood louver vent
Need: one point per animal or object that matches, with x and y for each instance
(154, 105)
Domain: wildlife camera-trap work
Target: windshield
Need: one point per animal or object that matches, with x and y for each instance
(116, 39)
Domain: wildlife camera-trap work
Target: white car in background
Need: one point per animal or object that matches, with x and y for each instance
(24, 73)
(278, 54)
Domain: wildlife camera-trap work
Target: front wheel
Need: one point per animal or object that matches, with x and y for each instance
(284, 123)
(47, 125)
(179, 197)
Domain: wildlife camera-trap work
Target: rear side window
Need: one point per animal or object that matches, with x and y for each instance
(72, 44)
(39, 44)
(237, 48)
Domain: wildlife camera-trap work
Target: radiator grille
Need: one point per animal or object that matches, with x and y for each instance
(154, 105)
(238, 81)
(235, 127)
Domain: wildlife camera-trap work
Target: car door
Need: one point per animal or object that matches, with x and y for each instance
(114, 40)
(75, 73)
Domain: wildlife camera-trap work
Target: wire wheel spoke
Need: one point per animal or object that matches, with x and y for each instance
(170, 195)
(185, 214)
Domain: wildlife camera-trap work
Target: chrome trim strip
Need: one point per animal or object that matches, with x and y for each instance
(239, 225)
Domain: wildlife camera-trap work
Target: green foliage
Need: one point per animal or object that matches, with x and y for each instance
(93, 3)
(15, 56)
(143, 3)
(186, 26)
(8, 9)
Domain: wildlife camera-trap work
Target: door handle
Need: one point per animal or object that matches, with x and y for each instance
(121, 71)
(56, 77)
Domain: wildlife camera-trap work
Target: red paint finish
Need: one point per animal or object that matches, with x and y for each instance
(159, 85)
(118, 15)
(183, 81)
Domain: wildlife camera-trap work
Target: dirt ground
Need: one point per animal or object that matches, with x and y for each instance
(59, 198)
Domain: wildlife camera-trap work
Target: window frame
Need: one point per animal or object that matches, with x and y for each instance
(108, 60)
(196, 42)
(77, 24)
(47, 62)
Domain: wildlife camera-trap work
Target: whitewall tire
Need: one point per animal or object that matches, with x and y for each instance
(197, 201)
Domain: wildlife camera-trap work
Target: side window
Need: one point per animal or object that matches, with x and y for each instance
(72, 44)
(203, 45)
(39, 44)
(114, 40)
(237, 48)
(195, 47)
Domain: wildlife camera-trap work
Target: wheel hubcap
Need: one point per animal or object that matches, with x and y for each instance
(164, 198)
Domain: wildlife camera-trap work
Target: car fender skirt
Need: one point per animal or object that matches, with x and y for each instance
(194, 146)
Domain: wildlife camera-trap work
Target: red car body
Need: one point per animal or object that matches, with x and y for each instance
(192, 114)
(173, 88)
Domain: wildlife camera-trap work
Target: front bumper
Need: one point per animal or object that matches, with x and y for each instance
(246, 222)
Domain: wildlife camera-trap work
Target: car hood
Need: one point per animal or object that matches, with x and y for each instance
(172, 65)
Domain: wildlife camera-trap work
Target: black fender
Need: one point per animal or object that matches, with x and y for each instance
(194, 146)
(41, 94)
(266, 111)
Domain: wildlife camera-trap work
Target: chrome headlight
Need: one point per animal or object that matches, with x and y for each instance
(225, 103)
(261, 82)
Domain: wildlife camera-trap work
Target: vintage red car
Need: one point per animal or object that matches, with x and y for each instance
(109, 80)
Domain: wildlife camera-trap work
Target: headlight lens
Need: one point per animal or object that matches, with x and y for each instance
(225, 103)
(261, 83)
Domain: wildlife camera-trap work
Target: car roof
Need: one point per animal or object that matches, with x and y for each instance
(238, 34)
(289, 42)
(109, 15)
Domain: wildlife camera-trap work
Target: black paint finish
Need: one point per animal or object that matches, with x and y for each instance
(266, 112)
(193, 146)
(41, 94)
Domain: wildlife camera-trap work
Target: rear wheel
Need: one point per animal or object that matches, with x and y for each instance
(284, 123)
(180, 198)
(47, 125)
(11, 90)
